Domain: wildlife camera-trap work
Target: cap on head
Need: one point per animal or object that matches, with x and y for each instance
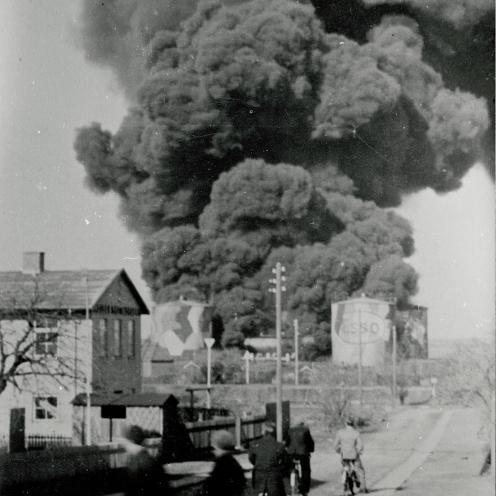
(134, 433)
(269, 428)
(223, 440)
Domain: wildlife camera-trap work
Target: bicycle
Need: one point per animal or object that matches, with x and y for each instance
(295, 477)
(351, 482)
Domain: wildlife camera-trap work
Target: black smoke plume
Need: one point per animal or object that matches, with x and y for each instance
(277, 130)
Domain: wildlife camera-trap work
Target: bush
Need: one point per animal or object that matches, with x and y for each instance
(227, 367)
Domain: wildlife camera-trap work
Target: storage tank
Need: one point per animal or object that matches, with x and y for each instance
(181, 325)
(411, 324)
(360, 326)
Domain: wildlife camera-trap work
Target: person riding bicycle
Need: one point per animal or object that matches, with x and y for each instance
(349, 445)
(300, 444)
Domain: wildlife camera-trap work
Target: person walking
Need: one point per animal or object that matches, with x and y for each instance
(227, 477)
(349, 445)
(271, 464)
(300, 444)
(145, 475)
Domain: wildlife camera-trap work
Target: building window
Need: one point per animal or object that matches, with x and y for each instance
(102, 337)
(117, 338)
(46, 343)
(131, 338)
(49, 322)
(45, 407)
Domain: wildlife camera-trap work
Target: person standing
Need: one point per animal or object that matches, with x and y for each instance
(349, 445)
(300, 444)
(145, 475)
(270, 462)
(227, 477)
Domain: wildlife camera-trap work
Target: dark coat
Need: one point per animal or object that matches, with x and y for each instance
(300, 441)
(271, 464)
(227, 478)
(145, 475)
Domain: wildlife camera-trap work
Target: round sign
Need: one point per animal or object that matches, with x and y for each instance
(365, 327)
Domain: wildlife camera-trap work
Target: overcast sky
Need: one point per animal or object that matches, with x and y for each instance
(47, 90)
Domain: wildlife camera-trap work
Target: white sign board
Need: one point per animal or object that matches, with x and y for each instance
(360, 322)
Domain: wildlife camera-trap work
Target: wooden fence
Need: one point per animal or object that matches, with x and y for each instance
(243, 430)
(85, 465)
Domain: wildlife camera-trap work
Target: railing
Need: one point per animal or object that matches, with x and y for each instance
(35, 466)
(243, 430)
(196, 414)
(38, 442)
(89, 466)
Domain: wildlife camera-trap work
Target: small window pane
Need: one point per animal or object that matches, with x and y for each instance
(50, 322)
(46, 343)
(102, 337)
(131, 338)
(45, 407)
(117, 338)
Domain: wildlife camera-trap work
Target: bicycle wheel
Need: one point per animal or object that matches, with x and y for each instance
(349, 485)
(294, 482)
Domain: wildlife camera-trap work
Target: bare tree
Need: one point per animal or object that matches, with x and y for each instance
(39, 346)
(470, 378)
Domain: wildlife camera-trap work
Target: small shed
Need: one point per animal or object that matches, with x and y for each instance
(110, 412)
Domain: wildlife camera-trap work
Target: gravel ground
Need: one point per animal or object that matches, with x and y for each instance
(384, 449)
(453, 467)
(444, 443)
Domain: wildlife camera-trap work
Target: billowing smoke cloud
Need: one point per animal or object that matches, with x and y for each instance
(459, 13)
(262, 130)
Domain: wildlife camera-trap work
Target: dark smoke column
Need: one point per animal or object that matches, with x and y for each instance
(255, 134)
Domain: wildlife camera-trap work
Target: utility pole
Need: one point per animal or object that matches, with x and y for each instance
(209, 342)
(394, 364)
(296, 364)
(277, 289)
(360, 385)
(394, 353)
(247, 357)
(493, 420)
(89, 358)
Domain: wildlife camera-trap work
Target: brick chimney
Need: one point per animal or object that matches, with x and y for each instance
(33, 262)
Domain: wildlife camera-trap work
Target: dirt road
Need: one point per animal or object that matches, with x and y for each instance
(453, 466)
(420, 451)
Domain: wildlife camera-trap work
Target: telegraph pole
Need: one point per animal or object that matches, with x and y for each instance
(493, 421)
(394, 352)
(296, 364)
(360, 385)
(209, 342)
(277, 289)
(89, 359)
(247, 357)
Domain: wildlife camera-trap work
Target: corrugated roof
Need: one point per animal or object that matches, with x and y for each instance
(59, 289)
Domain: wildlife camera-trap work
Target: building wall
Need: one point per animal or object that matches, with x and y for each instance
(147, 417)
(60, 425)
(117, 368)
(74, 352)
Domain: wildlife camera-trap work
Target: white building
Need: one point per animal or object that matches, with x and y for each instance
(73, 330)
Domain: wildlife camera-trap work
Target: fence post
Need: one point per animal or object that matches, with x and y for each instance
(237, 430)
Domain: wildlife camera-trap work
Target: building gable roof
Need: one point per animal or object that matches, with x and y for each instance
(60, 289)
(128, 400)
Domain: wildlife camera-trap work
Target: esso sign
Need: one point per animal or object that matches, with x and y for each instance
(363, 326)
